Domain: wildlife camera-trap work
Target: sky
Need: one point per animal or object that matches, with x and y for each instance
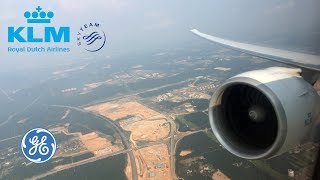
(154, 25)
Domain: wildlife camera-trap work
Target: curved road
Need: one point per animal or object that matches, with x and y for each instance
(125, 141)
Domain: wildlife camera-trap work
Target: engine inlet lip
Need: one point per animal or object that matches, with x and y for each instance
(275, 102)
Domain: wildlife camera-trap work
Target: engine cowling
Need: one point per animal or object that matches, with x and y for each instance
(263, 113)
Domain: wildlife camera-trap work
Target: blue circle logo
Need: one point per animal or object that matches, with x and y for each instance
(91, 37)
(38, 145)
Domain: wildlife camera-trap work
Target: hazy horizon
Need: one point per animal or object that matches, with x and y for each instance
(134, 26)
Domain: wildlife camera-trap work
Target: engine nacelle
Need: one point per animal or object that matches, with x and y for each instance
(263, 113)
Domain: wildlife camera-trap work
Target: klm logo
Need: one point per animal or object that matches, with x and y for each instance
(27, 34)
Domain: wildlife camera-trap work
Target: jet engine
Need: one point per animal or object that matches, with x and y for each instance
(263, 113)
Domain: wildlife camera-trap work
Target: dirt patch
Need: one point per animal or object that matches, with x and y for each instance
(22, 121)
(190, 161)
(60, 129)
(317, 86)
(148, 130)
(98, 145)
(66, 114)
(154, 162)
(220, 176)
(122, 109)
(185, 153)
(91, 86)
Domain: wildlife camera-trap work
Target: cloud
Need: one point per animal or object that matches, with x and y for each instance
(158, 21)
(7, 16)
(282, 7)
(163, 24)
(93, 4)
(6, 13)
(287, 5)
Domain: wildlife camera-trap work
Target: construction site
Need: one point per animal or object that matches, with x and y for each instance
(149, 132)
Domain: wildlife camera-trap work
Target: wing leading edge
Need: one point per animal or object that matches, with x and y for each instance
(306, 61)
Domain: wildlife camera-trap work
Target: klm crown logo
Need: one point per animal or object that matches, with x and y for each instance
(39, 16)
(50, 34)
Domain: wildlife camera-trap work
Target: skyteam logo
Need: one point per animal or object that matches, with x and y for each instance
(91, 37)
(38, 31)
(38, 145)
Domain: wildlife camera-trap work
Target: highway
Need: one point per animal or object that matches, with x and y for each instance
(125, 141)
(2, 140)
(90, 160)
(172, 148)
(17, 113)
(171, 141)
(134, 94)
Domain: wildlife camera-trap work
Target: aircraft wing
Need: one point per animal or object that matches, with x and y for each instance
(306, 61)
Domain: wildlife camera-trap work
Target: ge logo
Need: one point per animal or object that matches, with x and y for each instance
(91, 37)
(38, 145)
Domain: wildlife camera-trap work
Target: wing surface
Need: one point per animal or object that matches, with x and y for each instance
(306, 61)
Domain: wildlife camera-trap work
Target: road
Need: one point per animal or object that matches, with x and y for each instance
(90, 160)
(173, 129)
(125, 141)
(172, 140)
(17, 113)
(5, 94)
(136, 93)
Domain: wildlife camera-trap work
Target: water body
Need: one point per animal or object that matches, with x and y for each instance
(214, 156)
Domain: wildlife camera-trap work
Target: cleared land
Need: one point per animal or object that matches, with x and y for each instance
(220, 176)
(98, 145)
(122, 109)
(148, 130)
(66, 114)
(144, 123)
(22, 121)
(92, 142)
(154, 162)
(185, 153)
